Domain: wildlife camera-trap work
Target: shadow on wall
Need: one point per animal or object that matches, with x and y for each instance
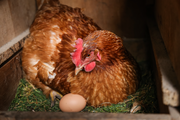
(126, 18)
(133, 23)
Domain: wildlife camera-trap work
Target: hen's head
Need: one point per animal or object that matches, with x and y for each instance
(99, 44)
(84, 56)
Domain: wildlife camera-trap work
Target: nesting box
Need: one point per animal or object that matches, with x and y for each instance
(151, 25)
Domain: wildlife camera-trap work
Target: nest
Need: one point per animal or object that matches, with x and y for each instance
(144, 100)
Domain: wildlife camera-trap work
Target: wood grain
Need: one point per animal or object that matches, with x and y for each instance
(6, 53)
(10, 75)
(6, 24)
(15, 17)
(170, 84)
(168, 19)
(81, 116)
(23, 13)
(157, 78)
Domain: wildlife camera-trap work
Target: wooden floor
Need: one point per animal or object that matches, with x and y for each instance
(79, 116)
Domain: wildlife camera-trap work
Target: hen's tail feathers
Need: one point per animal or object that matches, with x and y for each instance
(41, 3)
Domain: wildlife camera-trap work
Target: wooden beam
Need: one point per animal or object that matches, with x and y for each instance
(170, 84)
(80, 116)
(162, 107)
(13, 46)
(10, 74)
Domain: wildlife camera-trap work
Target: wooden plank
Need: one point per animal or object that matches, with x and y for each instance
(122, 17)
(6, 25)
(10, 74)
(170, 84)
(81, 116)
(156, 76)
(174, 112)
(168, 19)
(7, 50)
(23, 13)
(15, 17)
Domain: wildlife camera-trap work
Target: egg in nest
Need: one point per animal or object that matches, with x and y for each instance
(72, 103)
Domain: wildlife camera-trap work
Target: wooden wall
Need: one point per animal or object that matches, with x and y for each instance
(16, 17)
(123, 17)
(168, 18)
(10, 75)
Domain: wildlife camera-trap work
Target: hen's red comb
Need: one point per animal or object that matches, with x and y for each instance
(76, 55)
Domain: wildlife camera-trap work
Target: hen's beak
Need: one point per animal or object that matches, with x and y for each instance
(78, 69)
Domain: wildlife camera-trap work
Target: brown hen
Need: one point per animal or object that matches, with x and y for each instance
(67, 52)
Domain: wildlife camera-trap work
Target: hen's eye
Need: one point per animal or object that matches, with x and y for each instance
(88, 55)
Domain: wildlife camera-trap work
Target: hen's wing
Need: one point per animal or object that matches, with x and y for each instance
(52, 34)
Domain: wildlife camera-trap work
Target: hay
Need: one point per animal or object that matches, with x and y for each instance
(29, 99)
(144, 100)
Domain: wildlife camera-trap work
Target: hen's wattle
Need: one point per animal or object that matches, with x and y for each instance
(67, 52)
